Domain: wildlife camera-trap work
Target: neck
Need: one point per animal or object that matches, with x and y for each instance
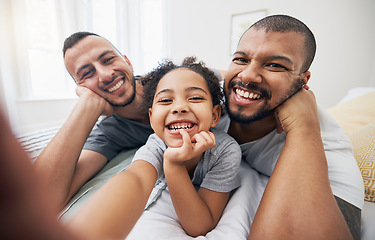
(135, 110)
(244, 133)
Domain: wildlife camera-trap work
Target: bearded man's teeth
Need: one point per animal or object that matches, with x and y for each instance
(117, 86)
(246, 94)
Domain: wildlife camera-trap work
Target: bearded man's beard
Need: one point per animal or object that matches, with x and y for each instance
(241, 117)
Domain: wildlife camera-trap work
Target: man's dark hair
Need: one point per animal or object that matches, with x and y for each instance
(151, 80)
(284, 23)
(75, 38)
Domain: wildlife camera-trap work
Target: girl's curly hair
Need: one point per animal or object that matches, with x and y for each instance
(151, 80)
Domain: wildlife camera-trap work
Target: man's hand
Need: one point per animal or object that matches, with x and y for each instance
(191, 147)
(90, 96)
(300, 111)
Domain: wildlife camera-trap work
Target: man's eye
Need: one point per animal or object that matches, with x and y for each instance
(108, 60)
(239, 60)
(276, 66)
(87, 74)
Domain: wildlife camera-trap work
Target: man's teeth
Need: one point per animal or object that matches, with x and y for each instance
(178, 126)
(117, 86)
(246, 94)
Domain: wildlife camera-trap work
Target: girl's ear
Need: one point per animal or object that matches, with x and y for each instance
(149, 116)
(216, 113)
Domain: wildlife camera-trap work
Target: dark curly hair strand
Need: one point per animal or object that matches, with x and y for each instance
(151, 80)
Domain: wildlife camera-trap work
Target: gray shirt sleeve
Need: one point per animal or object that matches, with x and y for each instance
(152, 152)
(115, 134)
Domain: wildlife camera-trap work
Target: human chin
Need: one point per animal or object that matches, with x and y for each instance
(241, 116)
(128, 100)
(174, 143)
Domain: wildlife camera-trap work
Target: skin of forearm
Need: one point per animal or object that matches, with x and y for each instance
(194, 215)
(57, 162)
(298, 194)
(113, 211)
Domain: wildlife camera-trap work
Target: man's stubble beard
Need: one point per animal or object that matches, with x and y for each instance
(263, 111)
(129, 101)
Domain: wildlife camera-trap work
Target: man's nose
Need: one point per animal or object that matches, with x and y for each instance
(104, 74)
(251, 73)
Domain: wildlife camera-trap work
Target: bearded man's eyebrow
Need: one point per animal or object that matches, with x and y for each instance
(277, 57)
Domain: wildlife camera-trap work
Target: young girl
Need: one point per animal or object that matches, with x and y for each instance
(198, 163)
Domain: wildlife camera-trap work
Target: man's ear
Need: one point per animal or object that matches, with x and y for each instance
(128, 61)
(306, 77)
(216, 113)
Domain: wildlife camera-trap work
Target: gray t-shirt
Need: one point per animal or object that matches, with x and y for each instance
(216, 171)
(115, 134)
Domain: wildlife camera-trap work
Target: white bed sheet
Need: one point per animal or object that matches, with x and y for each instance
(356, 92)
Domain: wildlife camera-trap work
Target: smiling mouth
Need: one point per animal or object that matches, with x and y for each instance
(117, 86)
(247, 94)
(178, 126)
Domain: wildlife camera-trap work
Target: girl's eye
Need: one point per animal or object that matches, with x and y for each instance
(164, 100)
(196, 98)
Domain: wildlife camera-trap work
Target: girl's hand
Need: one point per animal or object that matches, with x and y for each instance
(191, 147)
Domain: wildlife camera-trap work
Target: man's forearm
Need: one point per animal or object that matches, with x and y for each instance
(298, 195)
(57, 162)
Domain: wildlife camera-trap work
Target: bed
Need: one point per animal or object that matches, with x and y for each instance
(356, 114)
(160, 221)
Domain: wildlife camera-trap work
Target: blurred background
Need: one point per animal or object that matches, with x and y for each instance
(37, 93)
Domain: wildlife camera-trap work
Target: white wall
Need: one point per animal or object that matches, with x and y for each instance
(343, 29)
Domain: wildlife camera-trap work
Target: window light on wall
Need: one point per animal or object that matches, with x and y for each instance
(49, 22)
(47, 78)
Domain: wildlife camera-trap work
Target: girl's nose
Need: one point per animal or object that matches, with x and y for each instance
(180, 108)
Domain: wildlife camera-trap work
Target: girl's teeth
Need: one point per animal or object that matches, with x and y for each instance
(182, 126)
